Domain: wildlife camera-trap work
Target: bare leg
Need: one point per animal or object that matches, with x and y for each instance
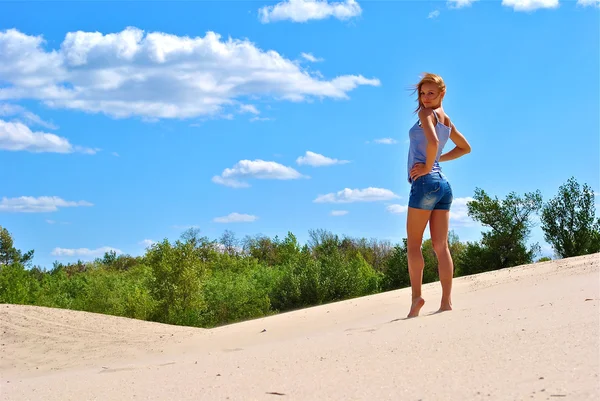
(416, 221)
(439, 238)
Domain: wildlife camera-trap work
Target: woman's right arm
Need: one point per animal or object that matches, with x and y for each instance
(462, 146)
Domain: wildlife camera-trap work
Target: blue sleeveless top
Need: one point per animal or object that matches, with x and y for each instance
(417, 151)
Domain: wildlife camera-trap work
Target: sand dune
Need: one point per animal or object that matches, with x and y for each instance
(525, 333)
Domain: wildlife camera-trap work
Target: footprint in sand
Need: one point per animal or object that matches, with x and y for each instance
(107, 370)
(232, 349)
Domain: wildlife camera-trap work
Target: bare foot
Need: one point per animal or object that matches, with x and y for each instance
(416, 306)
(445, 307)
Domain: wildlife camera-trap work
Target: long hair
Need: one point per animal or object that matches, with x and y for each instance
(428, 77)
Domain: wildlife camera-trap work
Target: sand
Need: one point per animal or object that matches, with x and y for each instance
(524, 333)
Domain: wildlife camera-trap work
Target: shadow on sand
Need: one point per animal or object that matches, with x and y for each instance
(414, 317)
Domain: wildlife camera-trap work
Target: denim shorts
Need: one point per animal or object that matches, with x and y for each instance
(431, 192)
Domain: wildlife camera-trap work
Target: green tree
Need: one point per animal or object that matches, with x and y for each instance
(569, 223)
(17, 285)
(177, 272)
(229, 243)
(298, 284)
(8, 253)
(288, 250)
(109, 258)
(430, 268)
(234, 296)
(510, 223)
(376, 253)
(396, 270)
(457, 250)
(262, 248)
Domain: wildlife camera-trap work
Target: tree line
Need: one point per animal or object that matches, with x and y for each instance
(196, 281)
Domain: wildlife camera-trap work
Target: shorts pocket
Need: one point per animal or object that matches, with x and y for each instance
(431, 187)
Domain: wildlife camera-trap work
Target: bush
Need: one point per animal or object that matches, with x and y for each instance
(297, 283)
(396, 271)
(17, 285)
(231, 297)
(569, 221)
(178, 271)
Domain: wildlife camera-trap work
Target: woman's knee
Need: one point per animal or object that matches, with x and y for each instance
(413, 246)
(440, 247)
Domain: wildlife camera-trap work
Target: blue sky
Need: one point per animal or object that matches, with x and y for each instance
(123, 123)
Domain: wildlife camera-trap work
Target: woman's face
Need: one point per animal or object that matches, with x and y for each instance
(430, 95)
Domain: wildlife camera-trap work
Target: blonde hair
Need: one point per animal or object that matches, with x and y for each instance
(428, 77)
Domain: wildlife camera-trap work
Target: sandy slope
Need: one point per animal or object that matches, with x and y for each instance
(526, 333)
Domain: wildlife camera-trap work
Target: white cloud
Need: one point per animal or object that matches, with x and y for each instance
(56, 222)
(87, 151)
(317, 160)
(386, 141)
(306, 10)
(222, 248)
(529, 5)
(236, 218)
(115, 154)
(156, 75)
(397, 209)
(434, 14)
(229, 182)
(36, 120)
(459, 212)
(253, 119)
(249, 108)
(8, 109)
(311, 58)
(586, 3)
(339, 212)
(258, 169)
(147, 243)
(84, 251)
(348, 195)
(460, 3)
(30, 204)
(15, 136)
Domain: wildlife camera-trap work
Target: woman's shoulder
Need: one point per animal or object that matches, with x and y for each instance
(444, 118)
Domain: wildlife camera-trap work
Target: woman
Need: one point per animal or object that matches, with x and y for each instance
(430, 193)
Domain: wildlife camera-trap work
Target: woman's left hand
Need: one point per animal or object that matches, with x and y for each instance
(417, 171)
